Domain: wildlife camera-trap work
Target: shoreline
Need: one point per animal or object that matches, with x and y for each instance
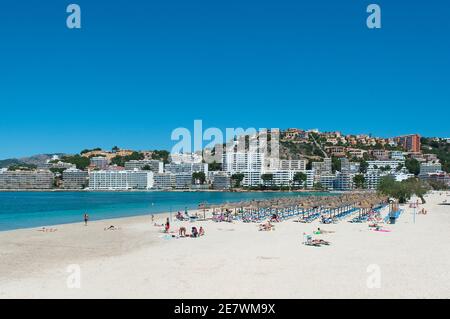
(124, 212)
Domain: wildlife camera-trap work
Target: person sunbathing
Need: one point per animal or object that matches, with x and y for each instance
(275, 218)
(112, 227)
(179, 216)
(266, 226)
(47, 230)
(320, 242)
(201, 231)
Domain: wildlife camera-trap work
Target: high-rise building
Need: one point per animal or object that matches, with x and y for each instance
(251, 164)
(41, 179)
(164, 180)
(221, 181)
(428, 168)
(190, 168)
(410, 143)
(120, 180)
(75, 179)
(295, 165)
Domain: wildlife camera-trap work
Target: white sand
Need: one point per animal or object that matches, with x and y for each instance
(232, 260)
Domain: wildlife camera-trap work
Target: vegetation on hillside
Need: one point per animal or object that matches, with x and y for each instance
(80, 162)
(120, 160)
(441, 148)
(161, 155)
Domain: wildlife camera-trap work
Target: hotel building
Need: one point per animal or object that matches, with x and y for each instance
(294, 165)
(177, 168)
(75, 179)
(429, 168)
(120, 180)
(164, 180)
(248, 163)
(41, 179)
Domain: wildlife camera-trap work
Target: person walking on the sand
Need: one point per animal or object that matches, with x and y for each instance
(86, 218)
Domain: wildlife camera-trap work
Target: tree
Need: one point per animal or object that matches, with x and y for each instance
(402, 190)
(299, 178)
(267, 178)
(359, 181)
(363, 166)
(161, 155)
(413, 166)
(335, 164)
(80, 162)
(120, 160)
(214, 166)
(199, 177)
(237, 179)
(90, 150)
(146, 168)
(417, 187)
(438, 185)
(115, 149)
(389, 187)
(22, 167)
(318, 186)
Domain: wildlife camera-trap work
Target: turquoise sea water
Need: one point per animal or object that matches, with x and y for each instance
(34, 209)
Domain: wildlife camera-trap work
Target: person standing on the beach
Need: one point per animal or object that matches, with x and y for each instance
(167, 227)
(86, 218)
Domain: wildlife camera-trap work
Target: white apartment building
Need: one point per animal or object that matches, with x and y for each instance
(251, 178)
(183, 180)
(294, 165)
(235, 162)
(428, 168)
(40, 179)
(372, 179)
(178, 168)
(397, 155)
(75, 179)
(120, 180)
(164, 180)
(283, 177)
(393, 164)
(327, 181)
(322, 167)
(251, 164)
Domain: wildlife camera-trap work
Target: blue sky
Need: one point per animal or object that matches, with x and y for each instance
(139, 69)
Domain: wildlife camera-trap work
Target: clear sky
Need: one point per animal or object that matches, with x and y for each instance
(139, 69)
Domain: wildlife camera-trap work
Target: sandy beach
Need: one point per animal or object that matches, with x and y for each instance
(233, 260)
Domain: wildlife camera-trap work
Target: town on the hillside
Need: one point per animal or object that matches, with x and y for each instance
(308, 159)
